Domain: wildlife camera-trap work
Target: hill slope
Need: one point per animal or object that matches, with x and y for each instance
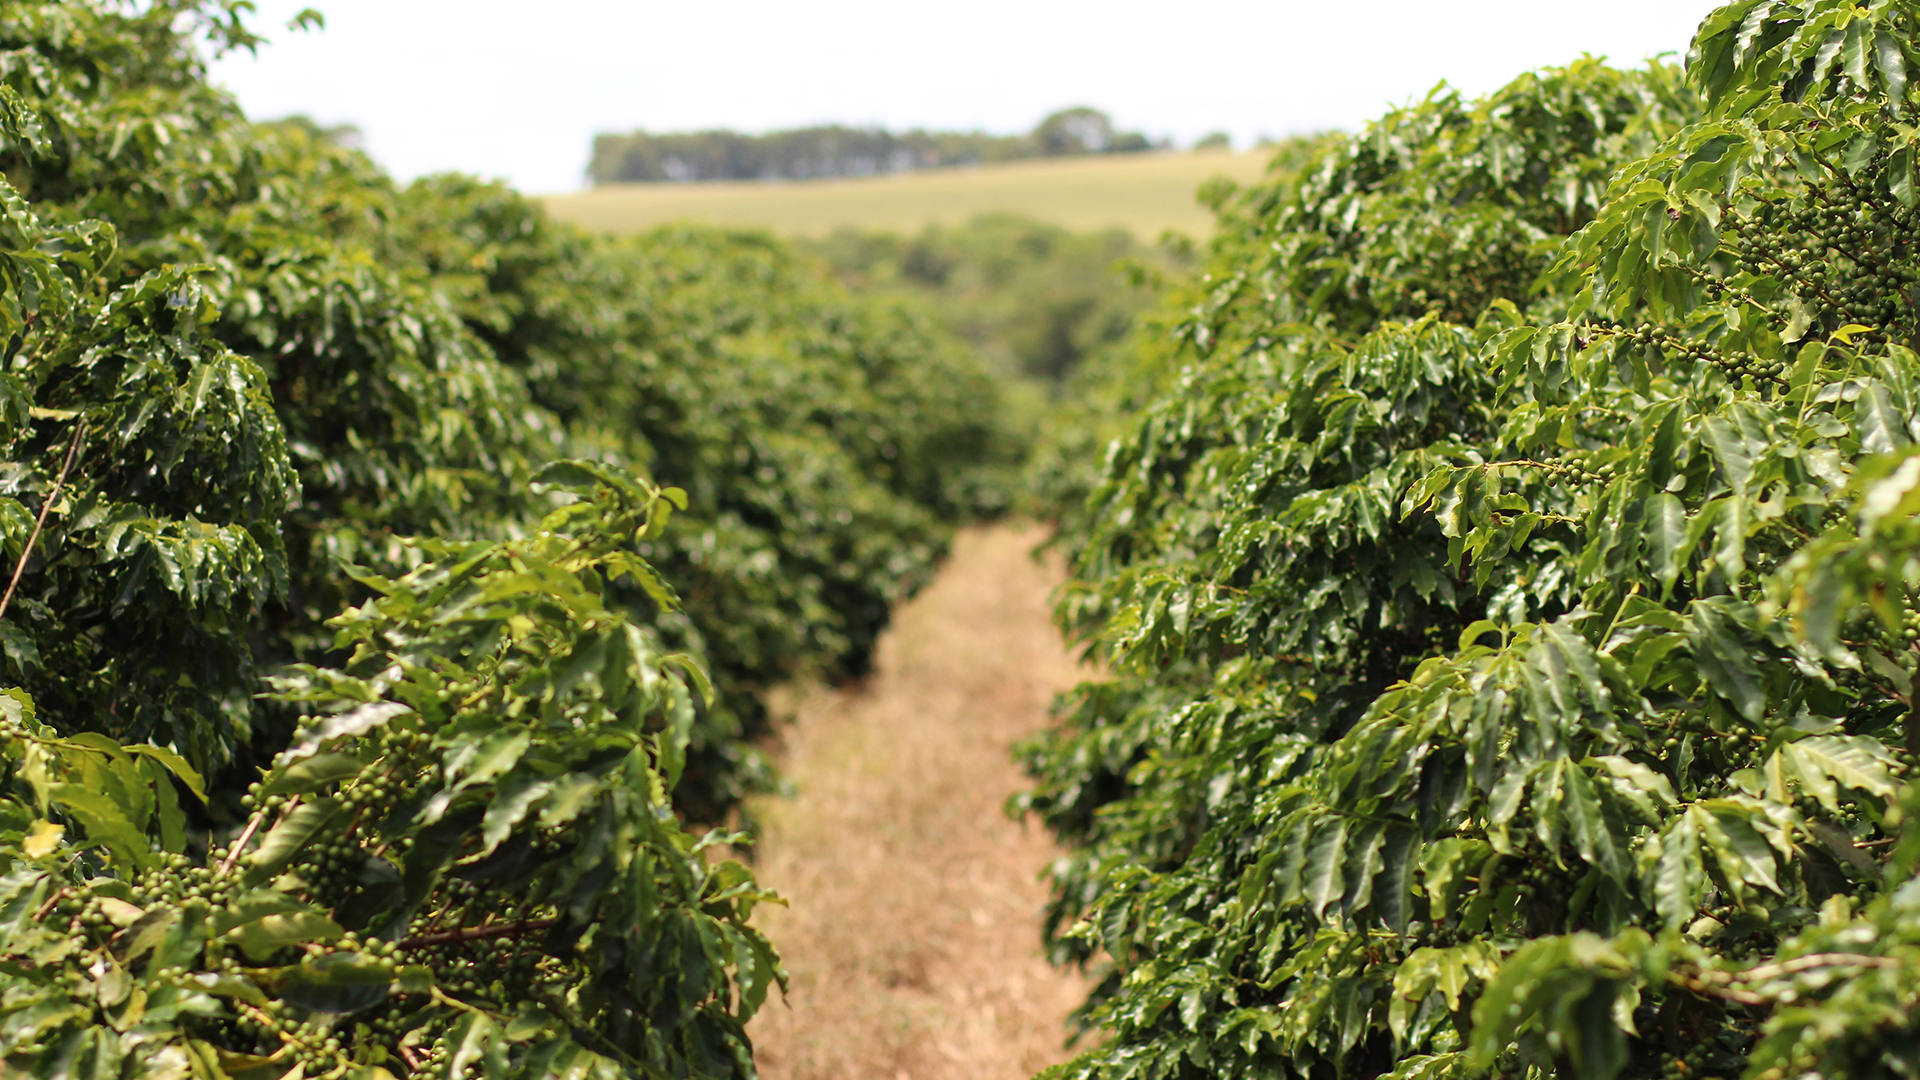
(1144, 193)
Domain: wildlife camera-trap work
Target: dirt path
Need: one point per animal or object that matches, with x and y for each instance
(913, 938)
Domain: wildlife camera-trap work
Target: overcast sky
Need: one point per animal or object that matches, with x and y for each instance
(517, 89)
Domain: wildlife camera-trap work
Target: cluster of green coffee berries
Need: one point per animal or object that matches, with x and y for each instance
(179, 879)
(1698, 1060)
(1835, 248)
(392, 775)
(325, 1042)
(503, 967)
(313, 1042)
(1803, 1065)
(392, 1023)
(1729, 744)
(1908, 632)
(1578, 470)
(1679, 350)
(83, 910)
(370, 946)
(434, 1056)
(331, 868)
(403, 1022)
(331, 865)
(374, 794)
(177, 882)
(487, 967)
(266, 1028)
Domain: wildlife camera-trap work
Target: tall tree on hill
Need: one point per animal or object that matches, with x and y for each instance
(1079, 130)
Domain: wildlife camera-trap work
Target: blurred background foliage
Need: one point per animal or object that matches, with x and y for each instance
(837, 150)
(1035, 302)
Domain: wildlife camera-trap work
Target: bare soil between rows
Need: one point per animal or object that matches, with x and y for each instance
(913, 937)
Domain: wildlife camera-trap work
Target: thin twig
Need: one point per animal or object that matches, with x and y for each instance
(233, 853)
(1804, 963)
(1720, 984)
(19, 568)
(52, 902)
(406, 1055)
(446, 999)
(239, 845)
(1698, 986)
(268, 1022)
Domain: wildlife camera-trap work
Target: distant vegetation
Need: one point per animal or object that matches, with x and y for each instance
(837, 150)
(1033, 299)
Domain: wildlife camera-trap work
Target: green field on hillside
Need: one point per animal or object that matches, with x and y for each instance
(1144, 193)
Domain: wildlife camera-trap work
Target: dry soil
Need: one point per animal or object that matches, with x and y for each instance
(913, 938)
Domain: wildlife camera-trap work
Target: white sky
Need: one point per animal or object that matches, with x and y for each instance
(517, 90)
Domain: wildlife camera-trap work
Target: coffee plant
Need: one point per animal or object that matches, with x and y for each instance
(394, 421)
(1511, 602)
(463, 859)
(162, 451)
(816, 435)
(464, 864)
(357, 717)
(426, 349)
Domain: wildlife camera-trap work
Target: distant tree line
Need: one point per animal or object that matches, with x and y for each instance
(837, 150)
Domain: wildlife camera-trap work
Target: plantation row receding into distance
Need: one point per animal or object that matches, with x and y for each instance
(1500, 544)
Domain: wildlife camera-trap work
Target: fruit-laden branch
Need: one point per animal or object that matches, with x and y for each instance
(1722, 984)
(474, 933)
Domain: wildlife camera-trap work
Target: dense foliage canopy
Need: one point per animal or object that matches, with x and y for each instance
(274, 423)
(1510, 596)
(827, 443)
